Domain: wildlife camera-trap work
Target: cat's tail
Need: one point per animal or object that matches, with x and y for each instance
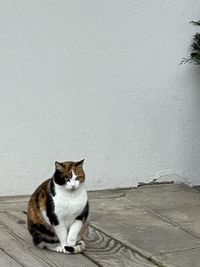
(78, 248)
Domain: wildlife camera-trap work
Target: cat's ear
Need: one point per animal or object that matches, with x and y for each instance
(79, 163)
(59, 166)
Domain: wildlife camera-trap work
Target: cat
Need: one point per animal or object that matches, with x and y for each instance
(58, 210)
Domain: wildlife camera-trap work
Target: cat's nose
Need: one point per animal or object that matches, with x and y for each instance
(73, 186)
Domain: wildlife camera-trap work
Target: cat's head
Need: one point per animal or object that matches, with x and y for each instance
(69, 174)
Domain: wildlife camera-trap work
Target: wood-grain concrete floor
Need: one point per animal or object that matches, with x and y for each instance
(156, 225)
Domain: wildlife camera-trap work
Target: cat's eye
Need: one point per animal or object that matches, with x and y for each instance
(67, 179)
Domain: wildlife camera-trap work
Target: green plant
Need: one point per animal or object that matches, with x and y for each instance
(195, 53)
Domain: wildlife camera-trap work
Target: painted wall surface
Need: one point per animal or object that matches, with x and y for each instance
(98, 80)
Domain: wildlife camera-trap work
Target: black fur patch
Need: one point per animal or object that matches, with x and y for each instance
(52, 188)
(84, 214)
(41, 233)
(50, 241)
(38, 238)
(69, 249)
(50, 208)
(58, 178)
(40, 228)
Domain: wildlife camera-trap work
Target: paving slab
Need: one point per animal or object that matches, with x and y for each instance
(177, 203)
(163, 222)
(187, 258)
(108, 252)
(7, 261)
(164, 196)
(134, 225)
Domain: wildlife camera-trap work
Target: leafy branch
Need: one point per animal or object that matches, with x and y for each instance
(195, 53)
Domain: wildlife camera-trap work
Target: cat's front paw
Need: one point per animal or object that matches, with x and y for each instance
(61, 249)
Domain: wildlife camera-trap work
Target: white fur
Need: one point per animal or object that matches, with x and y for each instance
(68, 205)
(72, 184)
(80, 247)
(73, 233)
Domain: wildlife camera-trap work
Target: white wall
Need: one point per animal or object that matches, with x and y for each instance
(98, 80)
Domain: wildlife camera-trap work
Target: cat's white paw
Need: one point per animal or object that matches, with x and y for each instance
(61, 249)
(58, 249)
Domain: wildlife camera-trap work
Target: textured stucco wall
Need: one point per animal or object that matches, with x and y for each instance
(98, 80)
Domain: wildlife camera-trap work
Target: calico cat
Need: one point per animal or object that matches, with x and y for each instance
(58, 210)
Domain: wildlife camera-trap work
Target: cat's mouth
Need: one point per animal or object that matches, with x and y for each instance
(73, 188)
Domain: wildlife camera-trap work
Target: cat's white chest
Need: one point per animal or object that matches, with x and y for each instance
(70, 204)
